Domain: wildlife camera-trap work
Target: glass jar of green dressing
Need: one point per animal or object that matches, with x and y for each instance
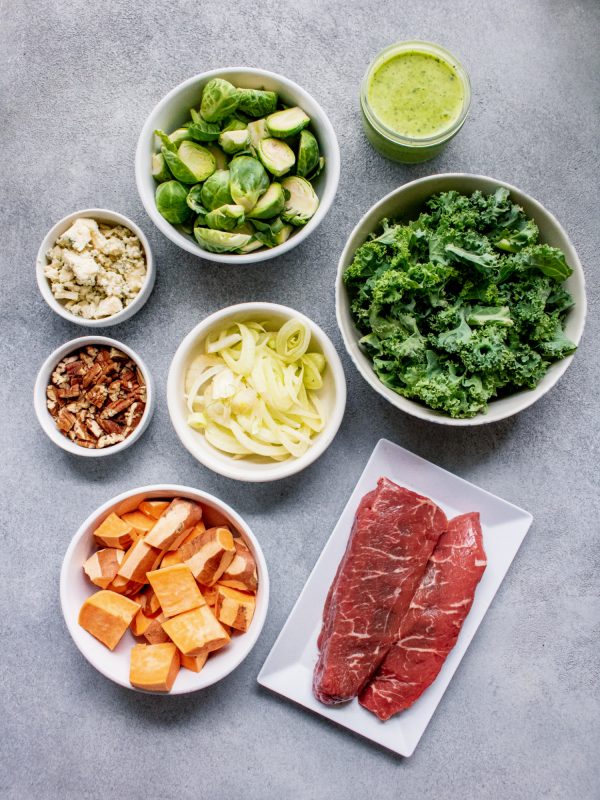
(414, 98)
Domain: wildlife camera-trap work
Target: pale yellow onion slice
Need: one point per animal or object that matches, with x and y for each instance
(257, 392)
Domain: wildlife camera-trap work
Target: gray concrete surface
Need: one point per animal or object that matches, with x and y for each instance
(520, 718)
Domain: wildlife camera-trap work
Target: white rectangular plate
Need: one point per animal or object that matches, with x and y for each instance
(288, 669)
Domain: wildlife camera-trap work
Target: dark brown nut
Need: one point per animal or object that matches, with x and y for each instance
(112, 409)
(80, 387)
(65, 420)
(97, 395)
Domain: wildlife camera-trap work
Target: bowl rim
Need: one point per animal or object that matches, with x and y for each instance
(45, 419)
(100, 215)
(411, 407)
(175, 490)
(331, 173)
(239, 469)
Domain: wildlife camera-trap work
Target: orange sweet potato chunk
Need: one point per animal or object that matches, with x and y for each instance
(102, 566)
(171, 557)
(154, 667)
(154, 633)
(196, 632)
(174, 524)
(153, 508)
(139, 521)
(193, 663)
(114, 532)
(176, 589)
(196, 531)
(241, 573)
(139, 559)
(209, 554)
(234, 608)
(107, 615)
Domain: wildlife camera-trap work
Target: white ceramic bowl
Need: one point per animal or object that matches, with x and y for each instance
(100, 215)
(75, 589)
(406, 203)
(47, 421)
(173, 110)
(333, 395)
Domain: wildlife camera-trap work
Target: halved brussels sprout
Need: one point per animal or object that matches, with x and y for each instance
(189, 163)
(194, 199)
(270, 204)
(246, 227)
(160, 171)
(179, 136)
(317, 170)
(301, 202)
(288, 122)
(219, 99)
(272, 233)
(257, 102)
(200, 130)
(171, 202)
(234, 141)
(225, 218)
(221, 159)
(215, 191)
(234, 124)
(197, 159)
(258, 130)
(253, 244)
(247, 181)
(308, 154)
(220, 241)
(277, 156)
(187, 226)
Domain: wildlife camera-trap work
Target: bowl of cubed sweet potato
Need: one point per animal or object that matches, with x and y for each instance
(164, 589)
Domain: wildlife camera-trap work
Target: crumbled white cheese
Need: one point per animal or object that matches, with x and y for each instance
(96, 269)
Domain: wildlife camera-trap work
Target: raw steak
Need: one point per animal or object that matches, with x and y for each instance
(393, 536)
(431, 626)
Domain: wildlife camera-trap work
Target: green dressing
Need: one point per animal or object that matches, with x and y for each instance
(416, 94)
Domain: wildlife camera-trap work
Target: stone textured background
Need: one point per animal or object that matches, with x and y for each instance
(520, 718)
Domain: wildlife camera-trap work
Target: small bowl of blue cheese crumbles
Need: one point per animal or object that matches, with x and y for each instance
(95, 268)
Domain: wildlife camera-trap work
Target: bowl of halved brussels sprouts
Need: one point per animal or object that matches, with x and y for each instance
(237, 165)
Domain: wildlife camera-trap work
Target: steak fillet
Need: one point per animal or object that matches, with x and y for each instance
(431, 626)
(392, 538)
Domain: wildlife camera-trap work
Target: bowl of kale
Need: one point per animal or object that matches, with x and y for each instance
(460, 299)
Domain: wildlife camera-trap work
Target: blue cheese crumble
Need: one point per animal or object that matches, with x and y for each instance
(96, 270)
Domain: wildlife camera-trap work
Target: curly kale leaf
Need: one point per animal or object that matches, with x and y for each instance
(461, 305)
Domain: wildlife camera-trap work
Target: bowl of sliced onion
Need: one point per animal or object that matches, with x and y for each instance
(256, 392)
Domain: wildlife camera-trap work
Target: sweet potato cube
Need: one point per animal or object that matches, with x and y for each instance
(241, 573)
(154, 633)
(234, 608)
(140, 623)
(193, 663)
(209, 554)
(209, 593)
(196, 632)
(171, 557)
(174, 524)
(154, 667)
(113, 532)
(197, 530)
(125, 586)
(103, 565)
(139, 559)
(176, 589)
(153, 508)
(141, 523)
(107, 615)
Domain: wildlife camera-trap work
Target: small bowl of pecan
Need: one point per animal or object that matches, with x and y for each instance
(94, 396)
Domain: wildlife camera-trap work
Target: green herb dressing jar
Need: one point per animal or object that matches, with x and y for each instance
(414, 98)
